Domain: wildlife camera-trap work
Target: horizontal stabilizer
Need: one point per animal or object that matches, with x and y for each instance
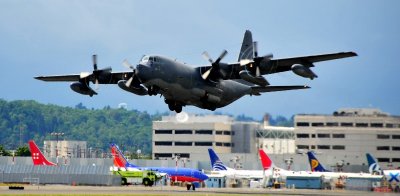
(256, 90)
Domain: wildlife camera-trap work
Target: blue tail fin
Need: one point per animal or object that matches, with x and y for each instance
(315, 165)
(119, 158)
(216, 163)
(373, 165)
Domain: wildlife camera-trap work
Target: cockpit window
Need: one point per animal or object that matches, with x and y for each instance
(144, 59)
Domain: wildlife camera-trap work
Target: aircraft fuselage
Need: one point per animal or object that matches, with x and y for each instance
(183, 85)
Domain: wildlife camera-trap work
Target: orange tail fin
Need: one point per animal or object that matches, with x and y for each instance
(37, 157)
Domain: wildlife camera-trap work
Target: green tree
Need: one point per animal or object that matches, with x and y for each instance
(4, 152)
(23, 151)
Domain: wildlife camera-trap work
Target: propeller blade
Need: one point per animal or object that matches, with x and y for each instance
(207, 57)
(129, 82)
(96, 86)
(221, 56)
(84, 75)
(94, 58)
(258, 71)
(245, 62)
(127, 64)
(255, 49)
(206, 74)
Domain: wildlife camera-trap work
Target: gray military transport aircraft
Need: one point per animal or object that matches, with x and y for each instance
(207, 87)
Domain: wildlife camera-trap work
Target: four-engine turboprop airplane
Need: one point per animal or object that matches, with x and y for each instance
(207, 87)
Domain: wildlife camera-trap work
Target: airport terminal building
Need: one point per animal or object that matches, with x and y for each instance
(348, 134)
(340, 139)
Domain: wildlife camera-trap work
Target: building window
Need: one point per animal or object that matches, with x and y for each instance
(303, 147)
(332, 124)
(227, 133)
(382, 148)
(383, 136)
(163, 155)
(361, 124)
(395, 159)
(317, 124)
(313, 135)
(389, 125)
(396, 148)
(303, 124)
(395, 136)
(183, 143)
(303, 135)
(312, 146)
(162, 131)
(346, 124)
(338, 147)
(376, 125)
(203, 143)
(338, 135)
(233, 132)
(218, 143)
(184, 155)
(183, 132)
(204, 132)
(227, 144)
(383, 160)
(163, 143)
(323, 135)
(324, 147)
(218, 132)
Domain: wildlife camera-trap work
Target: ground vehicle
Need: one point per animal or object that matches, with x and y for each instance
(145, 177)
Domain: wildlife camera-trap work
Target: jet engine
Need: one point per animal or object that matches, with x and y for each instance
(82, 89)
(303, 71)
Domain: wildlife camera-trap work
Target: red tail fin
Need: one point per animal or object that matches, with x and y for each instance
(118, 161)
(37, 157)
(265, 160)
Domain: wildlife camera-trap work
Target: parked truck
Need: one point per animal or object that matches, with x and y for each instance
(145, 177)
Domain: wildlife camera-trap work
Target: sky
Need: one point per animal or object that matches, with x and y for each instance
(59, 37)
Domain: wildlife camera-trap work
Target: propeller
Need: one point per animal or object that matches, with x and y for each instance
(256, 60)
(129, 66)
(214, 64)
(96, 72)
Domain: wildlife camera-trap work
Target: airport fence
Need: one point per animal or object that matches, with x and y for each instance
(72, 175)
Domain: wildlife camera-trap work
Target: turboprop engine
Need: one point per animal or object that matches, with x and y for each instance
(82, 89)
(303, 71)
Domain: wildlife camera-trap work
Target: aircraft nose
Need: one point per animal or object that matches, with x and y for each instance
(203, 176)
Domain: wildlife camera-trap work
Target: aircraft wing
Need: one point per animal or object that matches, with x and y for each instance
(257, 90)
(109, 78)
(280, 65)
(59, 78)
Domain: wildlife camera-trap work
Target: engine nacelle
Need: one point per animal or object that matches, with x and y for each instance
(303, 71)
(82, 89)
(138, 90)
(245, 75)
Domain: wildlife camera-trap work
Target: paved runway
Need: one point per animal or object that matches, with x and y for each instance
(167, 190)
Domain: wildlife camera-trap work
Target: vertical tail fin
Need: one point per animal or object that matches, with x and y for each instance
(315, 165)
(216, 163)
(265, 160)
(119, 158)
(37, 156)
(373, 165)
(246, 52)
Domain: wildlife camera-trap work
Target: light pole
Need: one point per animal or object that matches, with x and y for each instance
(57, 134)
